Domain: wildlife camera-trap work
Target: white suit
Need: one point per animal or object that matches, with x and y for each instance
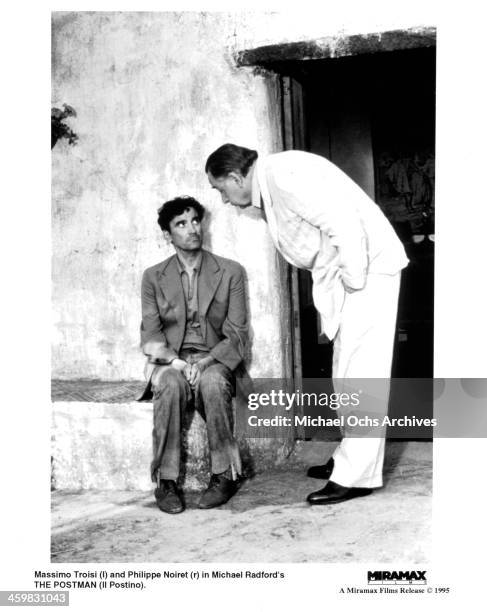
(320, 220)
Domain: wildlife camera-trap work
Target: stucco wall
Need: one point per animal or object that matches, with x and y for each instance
(154, 93)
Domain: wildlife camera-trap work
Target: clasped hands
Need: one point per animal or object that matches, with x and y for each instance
(156, 351)
(192, 371)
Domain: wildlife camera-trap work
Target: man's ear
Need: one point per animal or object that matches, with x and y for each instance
(167, 236)
(237, 177)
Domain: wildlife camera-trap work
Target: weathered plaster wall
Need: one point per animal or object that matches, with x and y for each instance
(155, 93)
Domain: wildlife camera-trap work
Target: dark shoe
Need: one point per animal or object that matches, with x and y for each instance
(333, 493)
(168, 497)
(321, 471)
(219, 491)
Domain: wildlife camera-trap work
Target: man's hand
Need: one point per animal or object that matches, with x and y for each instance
(176, 364)
(156, 352)
(193, 372)
(180, 365)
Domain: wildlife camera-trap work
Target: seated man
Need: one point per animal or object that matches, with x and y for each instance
(194, 329)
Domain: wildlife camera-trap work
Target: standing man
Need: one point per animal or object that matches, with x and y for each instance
(321, 221)
(194, 329)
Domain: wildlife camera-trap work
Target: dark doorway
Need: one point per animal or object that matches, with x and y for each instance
(374, 116)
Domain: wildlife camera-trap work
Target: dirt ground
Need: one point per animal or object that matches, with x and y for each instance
(267, 521)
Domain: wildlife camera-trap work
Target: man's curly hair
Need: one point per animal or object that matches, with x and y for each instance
(175, 207)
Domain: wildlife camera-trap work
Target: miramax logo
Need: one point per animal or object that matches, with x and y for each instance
(401, 577)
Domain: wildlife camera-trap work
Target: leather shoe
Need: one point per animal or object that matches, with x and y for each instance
(219, 491)
(333, 493)
(321, 471)
(168, 497)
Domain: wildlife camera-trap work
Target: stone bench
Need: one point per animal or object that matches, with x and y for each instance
(102, 439)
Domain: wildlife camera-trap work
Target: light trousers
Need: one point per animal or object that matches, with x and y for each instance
(363, 350)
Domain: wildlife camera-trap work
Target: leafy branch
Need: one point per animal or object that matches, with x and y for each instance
(59, 129)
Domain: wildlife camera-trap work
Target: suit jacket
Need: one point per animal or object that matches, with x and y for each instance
(322, 221)
(221, 305)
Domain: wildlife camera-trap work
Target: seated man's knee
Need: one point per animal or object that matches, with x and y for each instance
(215, 379)
(167, 380)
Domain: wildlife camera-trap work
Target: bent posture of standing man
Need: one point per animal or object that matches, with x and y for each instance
(320, 220)
(194, 329)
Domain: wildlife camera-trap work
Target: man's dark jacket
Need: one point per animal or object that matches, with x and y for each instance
(221, 304)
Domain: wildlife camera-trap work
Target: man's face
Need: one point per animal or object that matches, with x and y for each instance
(234, 188)
(185, 231)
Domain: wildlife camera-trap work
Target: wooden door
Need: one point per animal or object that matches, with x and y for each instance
(294, 136)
